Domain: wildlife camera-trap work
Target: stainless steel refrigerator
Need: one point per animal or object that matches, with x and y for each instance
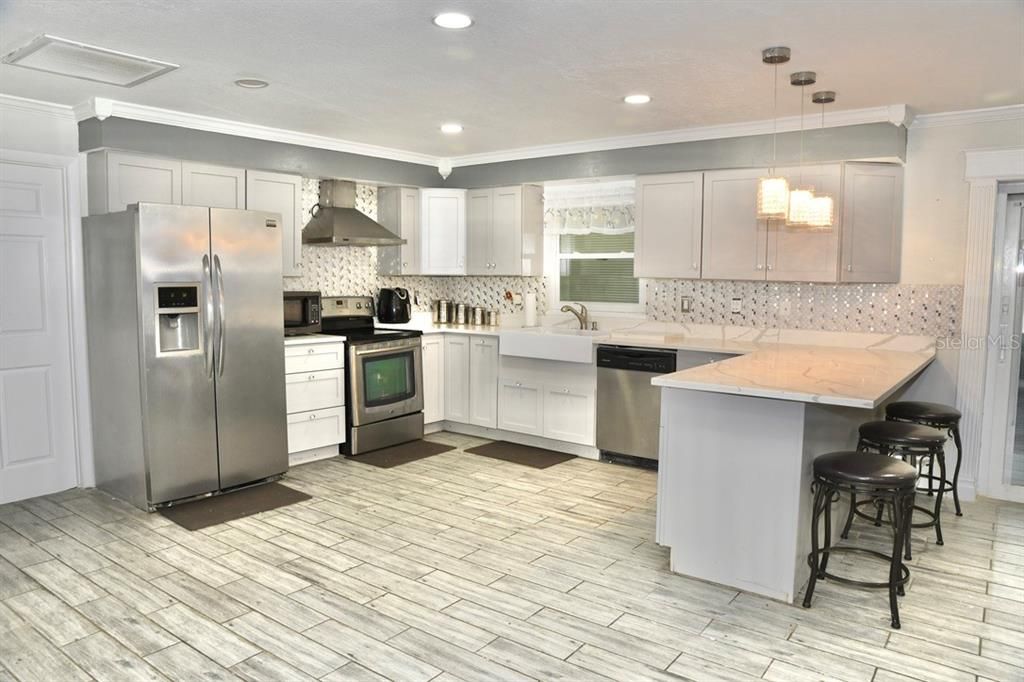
(186, 356)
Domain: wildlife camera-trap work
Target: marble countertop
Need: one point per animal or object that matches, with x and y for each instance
(860, 377)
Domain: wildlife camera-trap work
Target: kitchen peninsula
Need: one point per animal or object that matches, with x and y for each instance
(738, 438)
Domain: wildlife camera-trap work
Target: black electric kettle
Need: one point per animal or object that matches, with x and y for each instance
(393, 306)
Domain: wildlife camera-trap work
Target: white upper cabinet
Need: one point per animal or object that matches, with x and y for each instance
(282, 194)
(803, 254)
(872, 217)
(735, 241)
(479, 231)
(505, 231)
(213, 186)
(398, 209)
(668, 225)
(443, 231)
(117, 179)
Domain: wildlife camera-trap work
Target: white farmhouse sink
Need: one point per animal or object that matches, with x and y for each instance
(551, 343)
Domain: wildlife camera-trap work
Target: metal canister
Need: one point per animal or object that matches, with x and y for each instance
(443, 312)
(461, 313)
(478, 315)
(492, 318)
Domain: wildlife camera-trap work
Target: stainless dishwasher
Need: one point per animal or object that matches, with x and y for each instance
(628, 406)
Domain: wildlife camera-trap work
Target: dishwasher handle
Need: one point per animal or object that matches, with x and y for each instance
(636, 359)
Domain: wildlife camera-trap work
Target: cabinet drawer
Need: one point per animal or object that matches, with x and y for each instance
(313, 357)
(307, 430)
(314, 390)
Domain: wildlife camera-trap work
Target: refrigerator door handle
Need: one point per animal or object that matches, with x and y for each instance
(208, 320)
(221, 326)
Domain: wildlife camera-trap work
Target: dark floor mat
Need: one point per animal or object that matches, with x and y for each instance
(385, 458)
(527, 455)
(236, 504)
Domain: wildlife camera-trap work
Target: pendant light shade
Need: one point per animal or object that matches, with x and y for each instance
(772, 198)
(773, 191)
(801, 207)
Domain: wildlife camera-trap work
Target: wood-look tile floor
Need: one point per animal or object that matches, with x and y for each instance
(462, 567)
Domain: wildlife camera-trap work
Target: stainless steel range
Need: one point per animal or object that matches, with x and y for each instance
(383, 376)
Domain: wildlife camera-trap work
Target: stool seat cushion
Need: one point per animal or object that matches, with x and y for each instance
(865, 468)
(912, 409)
(902, 434)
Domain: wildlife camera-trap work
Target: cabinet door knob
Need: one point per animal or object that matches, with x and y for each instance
(518, 384)
(312, 417)
(311, 377)
(769, 267)
(693, 266)
(759, 266)
(565, 390)
(310, 351)
(849, 268)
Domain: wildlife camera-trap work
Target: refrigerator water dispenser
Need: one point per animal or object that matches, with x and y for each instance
(177, 318)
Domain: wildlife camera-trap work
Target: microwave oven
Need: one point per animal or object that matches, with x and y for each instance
(301, 312)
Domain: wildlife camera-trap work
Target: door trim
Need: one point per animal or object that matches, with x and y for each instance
(76, 341)
(985, 169)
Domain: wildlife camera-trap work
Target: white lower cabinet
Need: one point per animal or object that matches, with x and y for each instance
(316, 429)
(433, 378)
(555, 400)
(483, 381)
(569, 414)
(471, 379)
(314, 394)
(519, 406)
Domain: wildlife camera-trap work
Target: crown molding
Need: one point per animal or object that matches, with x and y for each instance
(895, 114)
(102, 108)
(969, 116)
(36, 106)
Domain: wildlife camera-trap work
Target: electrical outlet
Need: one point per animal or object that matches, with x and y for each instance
(736, 306)
(686, 304)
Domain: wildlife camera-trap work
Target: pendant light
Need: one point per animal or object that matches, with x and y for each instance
(801, 198)
(823, 207)
(773, 191)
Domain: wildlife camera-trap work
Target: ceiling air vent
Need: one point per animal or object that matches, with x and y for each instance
(78, 60)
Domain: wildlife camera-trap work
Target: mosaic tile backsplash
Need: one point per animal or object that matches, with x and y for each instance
(887, 308)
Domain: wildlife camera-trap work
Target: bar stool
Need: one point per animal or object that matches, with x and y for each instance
(939, 416)
(914, 443)
(887, 479)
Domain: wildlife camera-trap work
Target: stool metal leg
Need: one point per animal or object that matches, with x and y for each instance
(955, 432)
(941, 456)
(827, 502)
(894, 563)
(862, 446)
(821, 492)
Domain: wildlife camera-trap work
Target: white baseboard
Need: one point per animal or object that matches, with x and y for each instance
(313, 455)
(586, 451)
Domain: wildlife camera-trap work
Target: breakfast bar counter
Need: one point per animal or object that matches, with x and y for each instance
(738, 438)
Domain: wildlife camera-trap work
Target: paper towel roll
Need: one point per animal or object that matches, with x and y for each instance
(530, 309)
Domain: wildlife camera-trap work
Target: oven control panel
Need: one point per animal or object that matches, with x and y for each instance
(347, 306)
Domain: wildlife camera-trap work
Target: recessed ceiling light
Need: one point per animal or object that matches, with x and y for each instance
(251, 83)
(453, 20)
(636, 99)
(451, 128)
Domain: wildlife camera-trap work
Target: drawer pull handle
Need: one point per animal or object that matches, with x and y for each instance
(312, 417)
(565, 390)
(518, 385)
(312, 377)
(310, 351)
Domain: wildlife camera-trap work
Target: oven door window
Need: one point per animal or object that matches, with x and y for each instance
(388, 378)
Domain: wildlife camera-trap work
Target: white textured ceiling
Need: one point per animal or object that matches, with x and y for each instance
(529, 72)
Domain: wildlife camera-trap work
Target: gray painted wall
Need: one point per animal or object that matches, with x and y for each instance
(243, 152)
(870, 140)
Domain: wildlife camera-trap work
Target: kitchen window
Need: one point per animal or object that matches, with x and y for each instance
(590, 235)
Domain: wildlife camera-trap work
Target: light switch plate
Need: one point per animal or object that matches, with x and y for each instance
(736, 306)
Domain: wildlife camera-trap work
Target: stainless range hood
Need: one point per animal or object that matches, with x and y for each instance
(336, 222)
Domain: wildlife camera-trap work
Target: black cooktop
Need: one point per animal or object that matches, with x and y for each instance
(372, 335)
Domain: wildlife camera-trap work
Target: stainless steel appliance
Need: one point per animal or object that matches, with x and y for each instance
(336, 221)
(394, 306)
(185, 316)
(383, 376)
(628, 406)
(301, 312)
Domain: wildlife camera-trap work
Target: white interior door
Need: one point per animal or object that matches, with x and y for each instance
(37, 426)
